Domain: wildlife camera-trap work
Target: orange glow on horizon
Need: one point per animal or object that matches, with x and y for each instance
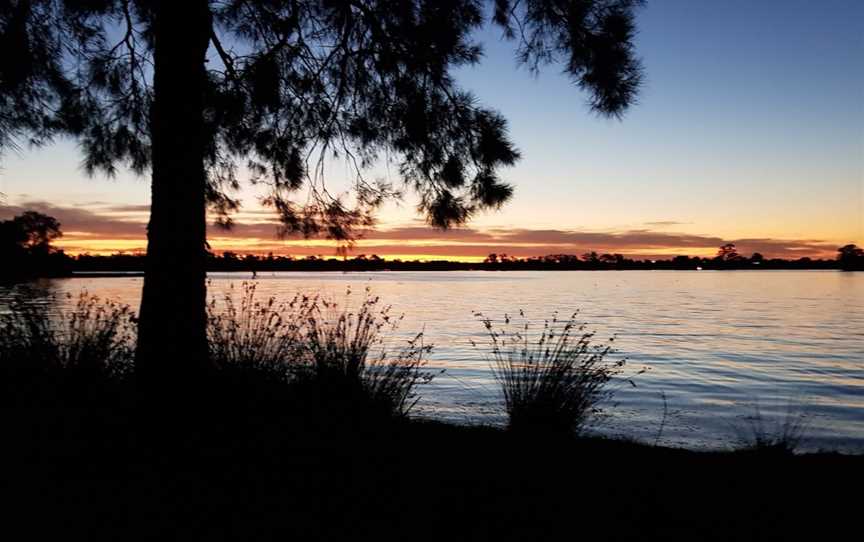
(468, 245)
(393, 250)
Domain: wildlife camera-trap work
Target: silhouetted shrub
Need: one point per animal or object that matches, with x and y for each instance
(350, 365)
(265, 337)
(67, 355)
(779, 437)
(554, 382)
(335, 358)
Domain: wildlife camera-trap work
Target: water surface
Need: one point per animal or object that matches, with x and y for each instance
(715, 343)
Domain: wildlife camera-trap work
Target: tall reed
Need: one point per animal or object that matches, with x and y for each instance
(259, 336)
(552, 381)
(44, 356)
(351, 361)
(782, 437)
(335, 357)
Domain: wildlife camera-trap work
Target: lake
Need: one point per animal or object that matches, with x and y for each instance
(717, 345)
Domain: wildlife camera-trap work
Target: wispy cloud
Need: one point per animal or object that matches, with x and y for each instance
(125, 208)
(76, 221)
(664, 223)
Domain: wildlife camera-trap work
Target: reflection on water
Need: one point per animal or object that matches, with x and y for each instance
(715, 342)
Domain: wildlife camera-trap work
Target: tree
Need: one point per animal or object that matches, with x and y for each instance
(612, 259)
(37, 230)
(191, 91)
(850, 257)
(12, 240)
(728, 253)
(29, 232)
(25, 246)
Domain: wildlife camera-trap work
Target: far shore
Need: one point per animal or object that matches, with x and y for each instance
(435, 268)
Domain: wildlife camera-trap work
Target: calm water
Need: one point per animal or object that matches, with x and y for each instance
(714, 343)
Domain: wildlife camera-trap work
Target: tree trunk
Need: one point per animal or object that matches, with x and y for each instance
(172, 340)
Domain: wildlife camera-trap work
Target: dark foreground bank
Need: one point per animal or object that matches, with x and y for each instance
(251, 469)
(299, 429)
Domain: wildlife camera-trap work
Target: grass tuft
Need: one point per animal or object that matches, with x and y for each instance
(335, 358)
(783, 438)
(255, 337)
(307, 350)
(554, 381)
(70, 355)
(350, 363)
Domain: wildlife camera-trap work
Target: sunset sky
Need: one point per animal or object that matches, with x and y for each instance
(750, 129)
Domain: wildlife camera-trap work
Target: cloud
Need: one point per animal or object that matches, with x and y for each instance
(527, 242)
(77, 221)
(126, 208)
(106, 228)
(663, 223)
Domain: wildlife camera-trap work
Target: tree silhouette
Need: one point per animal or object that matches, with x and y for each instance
(25, 246)
(191, 91)
(30, 232)
(851, 257)
(38, 230)
(12, 240)
(728, 253)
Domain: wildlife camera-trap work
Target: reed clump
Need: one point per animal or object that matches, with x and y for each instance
(349, 360)
(554, 380)
(258, 340)
(334, 358)
(307, 350)
(779, 437)
(48, 355)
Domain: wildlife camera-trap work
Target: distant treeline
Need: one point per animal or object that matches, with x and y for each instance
(59, 264)
(230, 261)
(26, 251)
